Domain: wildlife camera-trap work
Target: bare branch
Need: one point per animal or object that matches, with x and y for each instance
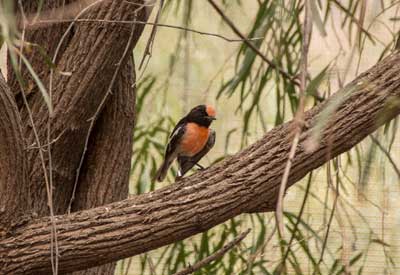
(149, 46)
(43, 23)
(387, 154)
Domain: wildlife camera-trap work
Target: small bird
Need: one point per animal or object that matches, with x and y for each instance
(190, 140)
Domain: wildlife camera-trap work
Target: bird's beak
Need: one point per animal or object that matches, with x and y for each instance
(211, 118)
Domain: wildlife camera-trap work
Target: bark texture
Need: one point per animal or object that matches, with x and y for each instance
(105, 175)
(92, 56)
(247, 182)
(92, 53)
(12, 161)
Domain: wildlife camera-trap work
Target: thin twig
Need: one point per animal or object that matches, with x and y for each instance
(299, 115)
(149, 46)
(48, 178)
(35, 146)
(387, 154)
(303, 206)
(250, 45)
(53, 239)
(218, 254)
(186, 62)
(260, 251)
(336, 193)
(42, 23)
(151, 265)
(54, 60)
(98, 110)
(128, 266)
(50, 169)
(219, 72)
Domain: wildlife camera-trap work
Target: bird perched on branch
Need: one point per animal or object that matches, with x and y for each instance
(190, 140)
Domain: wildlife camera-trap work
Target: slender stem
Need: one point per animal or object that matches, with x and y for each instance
(215, 256)
(299, 115)
(250, 45)
(42, 23)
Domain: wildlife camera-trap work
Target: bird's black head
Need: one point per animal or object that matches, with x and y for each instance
(202, 115)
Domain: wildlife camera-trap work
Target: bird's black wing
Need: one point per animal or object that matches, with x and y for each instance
(186, 163)
(175, 138)
(170, 151)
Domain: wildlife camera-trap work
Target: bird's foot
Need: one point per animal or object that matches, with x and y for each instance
(200, 167)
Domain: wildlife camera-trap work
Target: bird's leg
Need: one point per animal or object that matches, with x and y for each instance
(200, 166)
(178, 175)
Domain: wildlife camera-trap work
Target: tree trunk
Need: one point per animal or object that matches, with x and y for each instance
(13, 184)
(105, 175)
(93, 53)
(246, 182)
(92, 56)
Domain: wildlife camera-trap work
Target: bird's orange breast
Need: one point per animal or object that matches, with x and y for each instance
(194, 139)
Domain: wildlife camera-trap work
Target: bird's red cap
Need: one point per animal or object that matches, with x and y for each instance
(210, 111)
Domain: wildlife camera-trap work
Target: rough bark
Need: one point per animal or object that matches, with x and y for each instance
(46, 37)
(105, 175)
(12, 161)
(95, 50)
(92, 56)
(245, 182)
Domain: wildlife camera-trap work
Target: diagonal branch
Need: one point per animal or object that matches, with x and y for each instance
(237, 185)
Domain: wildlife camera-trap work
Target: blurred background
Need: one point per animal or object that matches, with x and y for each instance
(346, 212)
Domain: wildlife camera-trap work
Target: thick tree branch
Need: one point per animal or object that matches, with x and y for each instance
(91, 57)
(104, 177)
(237, 185)
(12, 161)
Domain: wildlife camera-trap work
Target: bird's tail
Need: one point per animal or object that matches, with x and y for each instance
(162, 171)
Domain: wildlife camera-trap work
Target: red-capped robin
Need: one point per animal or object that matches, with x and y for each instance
(190, 140)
